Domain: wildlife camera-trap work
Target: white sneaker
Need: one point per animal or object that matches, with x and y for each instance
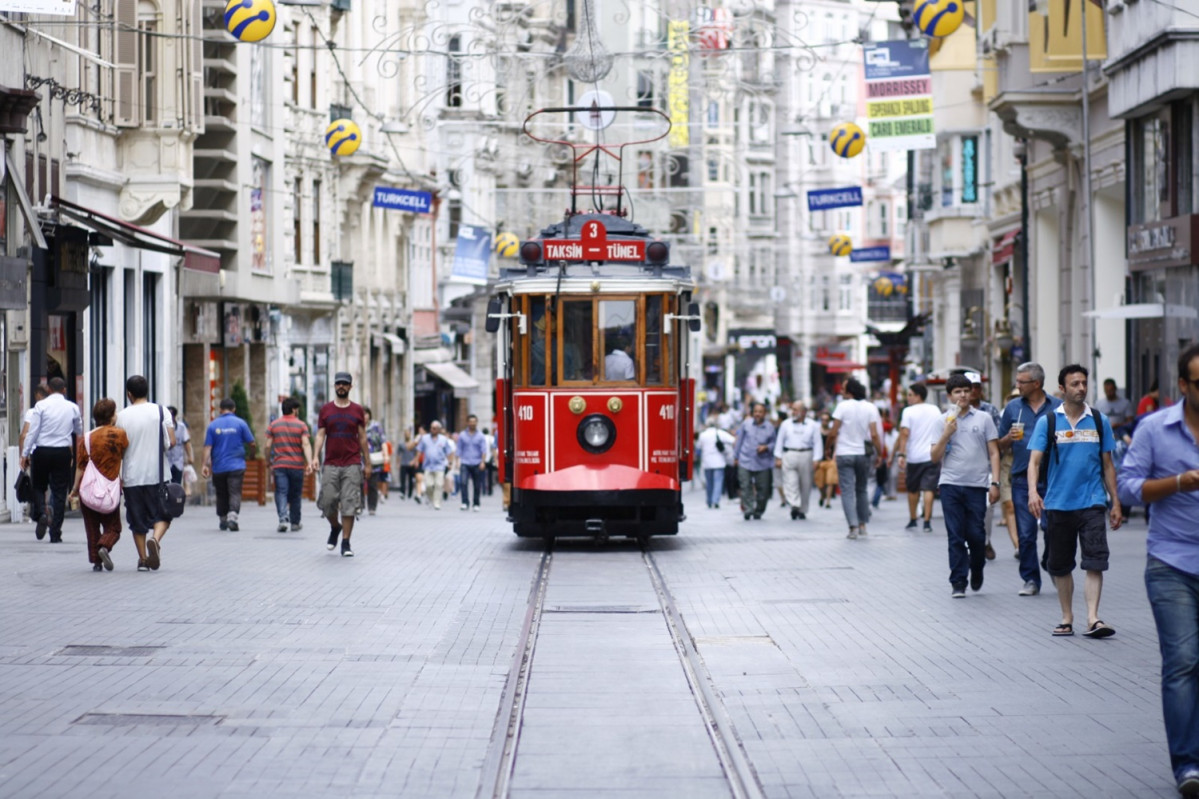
(475, 508)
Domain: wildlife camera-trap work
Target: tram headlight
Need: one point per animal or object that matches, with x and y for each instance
(596, 433)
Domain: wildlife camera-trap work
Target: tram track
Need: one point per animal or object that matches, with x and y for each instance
(504, 751)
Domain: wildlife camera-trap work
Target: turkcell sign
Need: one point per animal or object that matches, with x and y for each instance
(418, 202)
(599, 250)
(870, 254)
(824, 199)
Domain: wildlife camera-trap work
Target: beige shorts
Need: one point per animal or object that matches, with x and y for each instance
(341, 486)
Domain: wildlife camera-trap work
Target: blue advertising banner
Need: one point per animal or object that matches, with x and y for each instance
(418, 202)
(870, 254)
(902, 58)
(824, 199)
(472, 254)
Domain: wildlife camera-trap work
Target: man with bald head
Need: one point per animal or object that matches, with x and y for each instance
(798, 438)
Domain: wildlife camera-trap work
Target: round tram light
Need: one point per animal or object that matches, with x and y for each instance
(939, 18)
(343, 137)
(577, 405)
(250, 20)
(615, 404)
(506, 245)
(847, 140)
(530, 252)
(840, 244)
(596, 433)
(658, 252)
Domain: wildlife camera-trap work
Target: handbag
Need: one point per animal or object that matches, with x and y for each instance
(23, 487)
(174, 498)
(377, 459)
(97, 492)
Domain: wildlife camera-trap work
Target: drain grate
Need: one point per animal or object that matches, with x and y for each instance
(90, 650)
(146, 719)
(601, 609)
(815, 600)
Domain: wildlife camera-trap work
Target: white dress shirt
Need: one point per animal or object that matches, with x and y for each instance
(793, 435)
(53, 421)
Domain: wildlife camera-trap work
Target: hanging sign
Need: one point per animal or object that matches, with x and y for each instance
(824, 199)
(472, 254)
(870, 254)
(899, 96)
(593, 245)
(418, 202)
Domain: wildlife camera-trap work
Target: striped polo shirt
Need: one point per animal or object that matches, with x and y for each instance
(287, 450)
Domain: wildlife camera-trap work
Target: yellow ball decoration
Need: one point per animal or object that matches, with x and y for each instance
(506, 245)
(250, 20)
(939, 17)
(342, 137)
(847, 140)
(883, 285)
(840, 244)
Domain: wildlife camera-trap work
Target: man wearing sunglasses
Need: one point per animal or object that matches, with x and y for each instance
(341, 434)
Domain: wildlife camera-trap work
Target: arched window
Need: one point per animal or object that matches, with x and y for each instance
(453, 74)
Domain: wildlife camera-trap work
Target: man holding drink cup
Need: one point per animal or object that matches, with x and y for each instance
(1018, 420)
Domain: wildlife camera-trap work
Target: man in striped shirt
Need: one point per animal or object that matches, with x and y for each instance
(290, 452)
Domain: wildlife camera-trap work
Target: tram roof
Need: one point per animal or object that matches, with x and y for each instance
(582, 279)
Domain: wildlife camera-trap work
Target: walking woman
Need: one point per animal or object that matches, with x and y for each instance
(105, 446)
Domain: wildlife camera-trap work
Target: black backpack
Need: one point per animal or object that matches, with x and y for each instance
(1051, 443)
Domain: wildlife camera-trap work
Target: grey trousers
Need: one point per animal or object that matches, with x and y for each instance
(852, 473)
(797, 479)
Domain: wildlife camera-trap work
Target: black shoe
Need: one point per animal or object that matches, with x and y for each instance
(334, 534)
(346, 552)
(757, 516)
(55, 539)
(142, 567)
(748, 516)
(976, 580)
(928, 527)
(96, 567)
(802, 515)
(910, 525)
(224, 525)
(233, 528)
(40, 530)
(795, 513)
(152, 556)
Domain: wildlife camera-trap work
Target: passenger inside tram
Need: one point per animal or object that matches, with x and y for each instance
(619, 365)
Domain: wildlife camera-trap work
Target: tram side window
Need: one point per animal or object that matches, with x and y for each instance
(578, 335)
(537, 343)
(653, 339)
(618, 331)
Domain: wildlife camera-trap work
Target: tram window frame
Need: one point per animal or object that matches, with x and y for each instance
(638, 342)
(561, 334)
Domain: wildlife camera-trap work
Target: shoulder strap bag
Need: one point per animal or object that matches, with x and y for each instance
(174, 499)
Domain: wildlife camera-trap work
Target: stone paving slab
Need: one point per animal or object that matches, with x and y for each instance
(257, 664)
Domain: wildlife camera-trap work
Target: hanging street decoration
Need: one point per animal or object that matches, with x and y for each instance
(870, 254)
(343, 137)
(899, 96)
(840, 244)
(506, 245)
(847, 140)
(939, 17)
(827, 199)
(250, 20)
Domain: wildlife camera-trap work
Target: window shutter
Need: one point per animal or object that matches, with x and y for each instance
(126, 111)
(195, 75)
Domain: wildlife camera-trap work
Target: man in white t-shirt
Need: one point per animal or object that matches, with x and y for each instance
(618, 364)
(145, 470)
(856, 422)
(919, 426)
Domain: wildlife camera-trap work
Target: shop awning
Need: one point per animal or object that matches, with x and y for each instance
(459, 380)
(1004, 247)
(1144, 310)
(397, 343)
(837, 365)
(194, 258)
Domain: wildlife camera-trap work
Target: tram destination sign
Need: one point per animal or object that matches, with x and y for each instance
(596, 250)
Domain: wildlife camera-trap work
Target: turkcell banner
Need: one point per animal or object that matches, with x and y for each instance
(824, 199)
(418, 202)
(899, 96)
(472, 254)
(870, 254)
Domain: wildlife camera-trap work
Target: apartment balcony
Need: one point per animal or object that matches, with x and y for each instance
(1031, 110)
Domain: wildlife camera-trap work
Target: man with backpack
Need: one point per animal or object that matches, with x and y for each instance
(1075, 442)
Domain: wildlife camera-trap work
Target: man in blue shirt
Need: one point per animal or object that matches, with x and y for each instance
(1015, 426)
(753, 453)
(1081, 480)
(1162, 467)
(472, 453)
(225, 460)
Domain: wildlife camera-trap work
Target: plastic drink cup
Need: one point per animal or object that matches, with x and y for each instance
(1017, 431)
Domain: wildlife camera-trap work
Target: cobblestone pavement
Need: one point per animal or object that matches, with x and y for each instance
(257, 664)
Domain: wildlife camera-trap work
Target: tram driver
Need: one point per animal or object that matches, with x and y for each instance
(618, 365)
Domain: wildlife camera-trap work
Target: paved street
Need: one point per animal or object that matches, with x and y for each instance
(257, 664)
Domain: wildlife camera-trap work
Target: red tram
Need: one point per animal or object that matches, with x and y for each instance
(594, 396)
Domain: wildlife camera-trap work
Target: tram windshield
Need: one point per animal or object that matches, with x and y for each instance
(592, 340)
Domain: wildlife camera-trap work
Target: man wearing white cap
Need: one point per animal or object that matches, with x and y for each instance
(341, 431)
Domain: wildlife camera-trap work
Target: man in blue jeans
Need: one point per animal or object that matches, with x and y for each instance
(290, 453)
(969, 458)
(1162, 467)
(1015, 427)
(472, 454)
